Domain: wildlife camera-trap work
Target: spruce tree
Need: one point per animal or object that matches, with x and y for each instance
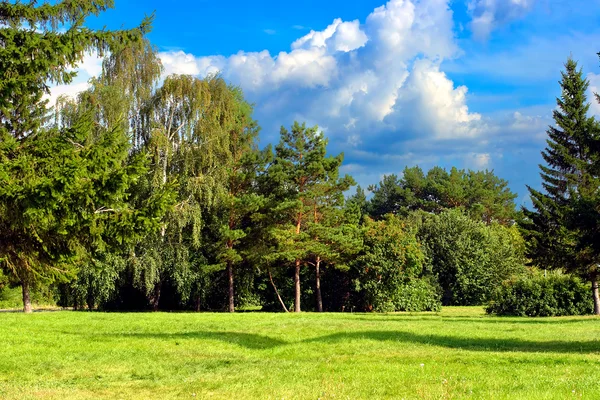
(555, 228)
(61, 189)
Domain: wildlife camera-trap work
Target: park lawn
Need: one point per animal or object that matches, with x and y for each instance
(458, 353)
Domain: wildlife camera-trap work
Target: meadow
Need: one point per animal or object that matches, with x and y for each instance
(458, 353)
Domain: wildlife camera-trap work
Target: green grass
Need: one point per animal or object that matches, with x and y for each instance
(459, 353)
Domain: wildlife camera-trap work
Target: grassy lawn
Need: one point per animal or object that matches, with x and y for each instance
(459, 353)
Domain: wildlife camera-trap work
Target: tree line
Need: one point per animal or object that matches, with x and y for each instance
(146, 192)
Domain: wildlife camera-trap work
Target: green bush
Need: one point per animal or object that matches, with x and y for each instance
(418, 295)
(389, 269)
(537, 295)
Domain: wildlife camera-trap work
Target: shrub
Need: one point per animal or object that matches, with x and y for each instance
(389, 270)
(418, 295)
(536, 295)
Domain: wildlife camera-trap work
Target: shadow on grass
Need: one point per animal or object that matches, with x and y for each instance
(247, 340)
(522, 320)
(261, 342)
(464, 343)
(484, 319)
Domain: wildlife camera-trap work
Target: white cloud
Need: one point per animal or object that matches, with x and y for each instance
(489, 14)
(178, 62)
(379, 76)
(594, 88)
(89, 67)
(478, 161)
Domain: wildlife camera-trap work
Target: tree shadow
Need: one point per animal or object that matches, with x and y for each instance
(464, 343)
(261, 342)
(522, 320)
(248, 340)
(481, 319)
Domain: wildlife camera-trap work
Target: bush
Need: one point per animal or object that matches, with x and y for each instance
(389, 269)
(537, 295)
(418, 295)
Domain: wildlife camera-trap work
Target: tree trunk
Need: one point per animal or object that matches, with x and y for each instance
(230, 278)
(156, 296)
(90, 302)
(297, 287)
(197, 305)
(318, 291)
(26, 296)
(596, 296)
(277, 292)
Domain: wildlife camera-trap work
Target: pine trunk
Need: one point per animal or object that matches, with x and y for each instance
(318, 291)
(596, 296)
(230, 279)
(277, 292)
(26, 297)
(297, 287)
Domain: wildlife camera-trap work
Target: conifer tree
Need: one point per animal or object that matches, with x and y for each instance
(307, 186)
(61, 189)
(483, 195)
(241, 199)
(331, 236)
(554, 228)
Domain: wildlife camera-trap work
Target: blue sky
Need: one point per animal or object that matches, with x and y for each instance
(466, 83)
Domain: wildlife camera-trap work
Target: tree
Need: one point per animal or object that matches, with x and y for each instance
(469, 258)
(61, 189)
(114, 100)
(186, 125)
(332, 237)
(560, 229)
(306, 183)
(483, 195)
(241, 199)
(390, 265)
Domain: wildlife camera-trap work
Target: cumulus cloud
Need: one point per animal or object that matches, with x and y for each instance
(489, 14)
(380, 88)
(379, 76)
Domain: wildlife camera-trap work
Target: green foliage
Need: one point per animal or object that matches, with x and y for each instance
(418, 295)
(11, 298)
(561, 229)
(306, 196)
(63, 190)
(481, 194)
(470, 258)
(537, 295)
(35, 51)
(390, 267)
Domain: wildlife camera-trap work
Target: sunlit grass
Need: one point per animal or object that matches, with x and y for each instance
(459, 353)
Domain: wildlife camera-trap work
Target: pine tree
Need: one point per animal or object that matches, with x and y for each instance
(307, 186)
(554, 229)
(241, 200)
(483, 195)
